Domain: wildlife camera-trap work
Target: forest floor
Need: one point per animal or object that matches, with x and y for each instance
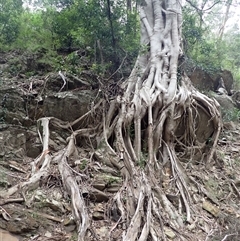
(48, 216)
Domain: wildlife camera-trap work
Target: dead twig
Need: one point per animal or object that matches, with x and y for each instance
(11, 200)
(235, 188)
(79, 80)
(64, 80)
(44, 215)
(228, 235)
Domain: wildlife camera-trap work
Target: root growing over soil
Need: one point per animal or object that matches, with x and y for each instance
(158, 120)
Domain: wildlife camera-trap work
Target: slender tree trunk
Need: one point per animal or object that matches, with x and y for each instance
(222, 27)
(114, 56)
(129, 5)
(154, 103)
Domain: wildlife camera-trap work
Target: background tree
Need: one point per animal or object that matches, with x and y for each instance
(9, 20)
(226, 16)
(71, 25)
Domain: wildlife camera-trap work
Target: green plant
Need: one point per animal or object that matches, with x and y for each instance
(143, 160)
(74, 236)
(231, 115)
(35, 215)
(3, 179)
(83, 164)
(112, 179)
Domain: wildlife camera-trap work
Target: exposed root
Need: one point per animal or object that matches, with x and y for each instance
(40, 166)
(156, 121)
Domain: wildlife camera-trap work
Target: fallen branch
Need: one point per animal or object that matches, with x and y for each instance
(69, 182)
(11, 200)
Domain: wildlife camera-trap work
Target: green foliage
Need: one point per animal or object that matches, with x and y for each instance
(50, 60)
(192, 31)
(34, 33)
(231, 55)
(83, 164)
(109, 29)
(198, 44)
(203, 45)
(9, 20)
(143, 159)
(111, 179)
(231, 115)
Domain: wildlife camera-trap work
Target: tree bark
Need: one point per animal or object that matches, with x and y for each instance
(222, 27)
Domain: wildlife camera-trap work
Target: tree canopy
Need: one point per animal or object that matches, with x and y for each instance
(110, 30)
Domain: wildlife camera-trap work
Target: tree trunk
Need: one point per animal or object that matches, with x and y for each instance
(114, 55)
(222, 27)
(142, 124)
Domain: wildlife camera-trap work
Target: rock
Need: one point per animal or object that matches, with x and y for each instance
(22, 225)
(229, 125)
(70, 228)
(69, 221)
(68, 106)
(102, 232)
(20, 221)
(98, 215)
(99, 186)
(10, 145)
(211, 208)
(204, 127)
(101, 181)
(200, 78)
(169, 233)
(225, 101)
(113, 188)
(98, 196)
(228, 107)
(43, 200)
(17, 142)
(6, 236)
(205, 81)
(12, 99)
(48, 234)
(227, 77)
(2, 60)
(33, 150)
(221, 91)
(236, 99)
(23, 106)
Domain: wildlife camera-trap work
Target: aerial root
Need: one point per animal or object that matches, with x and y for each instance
(80, 213)
(139, 142)
(40, 166)
(41, 169)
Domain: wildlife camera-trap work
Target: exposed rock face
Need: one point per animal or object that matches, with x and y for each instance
(6, 236)
(68, 106)
(227, 77)
(225, 101)
(23, 108)
(236, 99)
(206, 82)
(201, 80)
(23, 102)
(218, 86)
